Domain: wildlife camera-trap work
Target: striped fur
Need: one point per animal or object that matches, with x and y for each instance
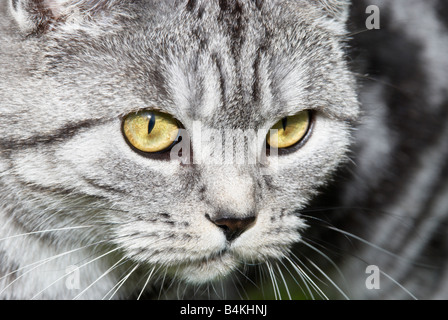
(367, 188)
(396, 196)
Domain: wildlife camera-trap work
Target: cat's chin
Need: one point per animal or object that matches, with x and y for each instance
(207, 270)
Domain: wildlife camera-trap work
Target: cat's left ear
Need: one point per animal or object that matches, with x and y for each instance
(337, 10)
(38, 15)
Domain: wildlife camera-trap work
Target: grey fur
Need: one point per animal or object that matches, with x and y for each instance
(71, 70)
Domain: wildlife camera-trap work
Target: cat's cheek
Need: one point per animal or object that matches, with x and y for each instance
(327, 144)
(268, 239)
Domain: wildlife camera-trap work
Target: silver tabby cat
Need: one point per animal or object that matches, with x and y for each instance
(108, 191)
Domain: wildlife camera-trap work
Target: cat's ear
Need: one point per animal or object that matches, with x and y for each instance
(337, 10)
(39, 15)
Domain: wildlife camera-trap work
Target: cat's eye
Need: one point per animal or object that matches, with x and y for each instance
(150, 131)
(289, 131)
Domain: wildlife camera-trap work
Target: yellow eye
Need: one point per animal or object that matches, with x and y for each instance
(290, 130)
(150, 131)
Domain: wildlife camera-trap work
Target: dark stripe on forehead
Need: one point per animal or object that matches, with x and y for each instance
(14, 4)
(256, 86)
(231, 16)
(191, 4)
(237, 73)
(222, 78)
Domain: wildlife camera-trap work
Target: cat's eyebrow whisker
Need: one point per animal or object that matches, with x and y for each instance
(385, 83)
(83, 265)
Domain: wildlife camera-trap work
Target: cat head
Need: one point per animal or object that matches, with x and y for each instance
(96, 70)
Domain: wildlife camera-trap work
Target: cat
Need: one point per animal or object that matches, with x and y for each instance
(115, 183)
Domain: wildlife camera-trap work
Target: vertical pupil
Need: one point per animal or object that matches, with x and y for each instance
(152, 122)
(284, 123)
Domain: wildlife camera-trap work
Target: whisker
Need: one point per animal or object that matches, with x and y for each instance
(121, 282)
(345, 233)
(309, 270)
(375, 246)
(146, 283)
(399, 285)
(60, 278)
(44, 231)
(246, 277)
(241, 285)
(277, 293)
(99, 278)
(161, 286)
(325, 256)
(307, 278)
(236, 287)
(358, 32)
(355, 237)
(284, 281)
(297, 282)
(41, 263)
(329, 279)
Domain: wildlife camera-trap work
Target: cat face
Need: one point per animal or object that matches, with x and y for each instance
(233, 67)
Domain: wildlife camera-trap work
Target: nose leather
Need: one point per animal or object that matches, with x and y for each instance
(233, 227)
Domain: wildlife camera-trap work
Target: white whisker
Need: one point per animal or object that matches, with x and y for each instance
(146, 283)
(277, 294)
(121, 282)
(44, 231)
(99, 278)
(62, 277)
(40, 263)
(329, 279)
(309, 280)
(284, 281)
(398, 284)
(297, 282)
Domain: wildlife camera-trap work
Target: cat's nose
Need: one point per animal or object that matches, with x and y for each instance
(232, 227)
